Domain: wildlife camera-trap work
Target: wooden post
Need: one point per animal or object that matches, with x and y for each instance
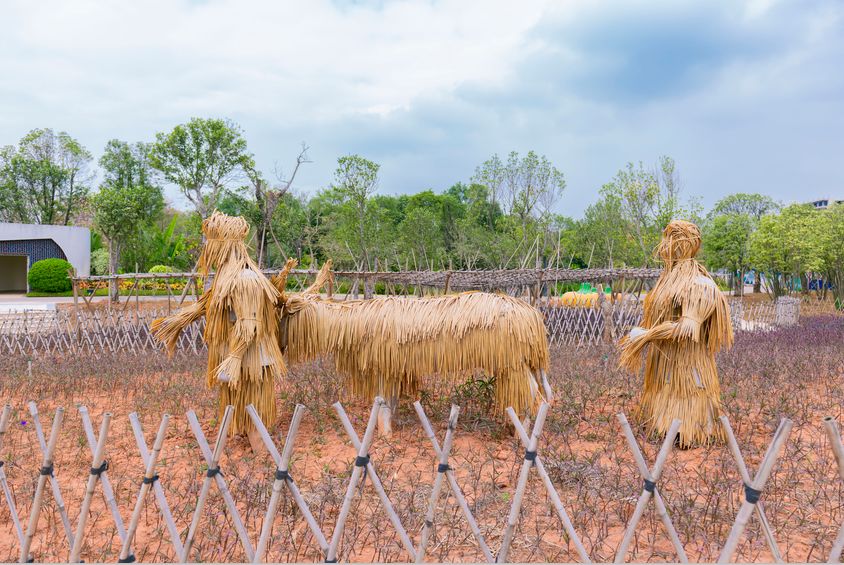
(516, 506)
(150, 477)
(357, 471)
(98, 466)
(214, 474)
(754, 490)
(442, 467)
(108, 492)
(282, 479)
(549, 486)
(46, 471)
(838, 450)
(455, 488)
(54, 484)
(745, 477)
(373, 477)
(650, 478)
(175, 540)
(546, 387)
(5, 419)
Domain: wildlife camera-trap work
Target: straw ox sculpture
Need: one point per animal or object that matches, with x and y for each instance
(387, 346)
(241, 329)
(686, 321)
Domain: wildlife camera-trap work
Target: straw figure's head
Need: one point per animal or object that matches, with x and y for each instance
(225, 239)
(680, 240)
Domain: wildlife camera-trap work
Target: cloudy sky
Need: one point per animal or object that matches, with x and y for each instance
(745, 95)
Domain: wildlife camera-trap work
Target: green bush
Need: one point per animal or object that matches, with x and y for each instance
(99, 261)
(158, 284)
(49, 275)
(162, 269)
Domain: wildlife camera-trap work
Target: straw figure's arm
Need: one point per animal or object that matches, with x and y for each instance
(633, 344)
(246, 304)
(322, 278)
(167, 330)
(280, 280)
(696, 306)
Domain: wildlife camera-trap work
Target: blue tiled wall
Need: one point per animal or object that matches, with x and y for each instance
(35, 249)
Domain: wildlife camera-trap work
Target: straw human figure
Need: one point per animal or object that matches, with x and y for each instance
(686, 322)
(241, 325)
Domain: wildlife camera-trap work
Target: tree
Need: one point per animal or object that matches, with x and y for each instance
(201, 157)
(751, 207)
(601, 236)
(527, 187)
(355, 180)
(726, 245)
(44, 179)
(649, 199)
(490, 174)
(267, 200)
(832, 250)
(128, 198)
(788, 245)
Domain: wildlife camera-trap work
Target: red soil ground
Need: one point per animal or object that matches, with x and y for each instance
(794, 373)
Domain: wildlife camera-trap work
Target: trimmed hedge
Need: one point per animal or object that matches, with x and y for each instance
(49, 275)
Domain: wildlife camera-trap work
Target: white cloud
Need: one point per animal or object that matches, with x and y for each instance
(429, 89)
(287, 58)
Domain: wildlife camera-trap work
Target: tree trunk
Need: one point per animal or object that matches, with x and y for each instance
(262, 246)
(757, 282)
(113, 260)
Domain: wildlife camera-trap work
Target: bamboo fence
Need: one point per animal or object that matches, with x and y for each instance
(103, 332)
(329, 537)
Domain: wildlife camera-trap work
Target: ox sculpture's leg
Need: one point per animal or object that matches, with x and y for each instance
(385, 415)
(255, 440)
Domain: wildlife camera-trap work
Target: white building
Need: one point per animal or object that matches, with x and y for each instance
(824, 203)
(21, 245)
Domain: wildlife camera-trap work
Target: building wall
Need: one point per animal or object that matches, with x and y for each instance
(35, 249)
(45, 241)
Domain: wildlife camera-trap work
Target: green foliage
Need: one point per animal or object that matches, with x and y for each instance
(99, 261)
(726, 241)
(201, 157)
(624, 226)
(753, 205)
(832, 249)
(161, 269)
(49, 275)
(128, 198)
(173, 239)
(45, 179)
(789, 244)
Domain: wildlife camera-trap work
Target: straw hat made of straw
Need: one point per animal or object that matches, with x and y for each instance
(220, 227)
(225, 239)
(680, 240)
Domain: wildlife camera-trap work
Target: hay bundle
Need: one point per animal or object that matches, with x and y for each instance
(386, 346)
(686, 321)
(241, 323)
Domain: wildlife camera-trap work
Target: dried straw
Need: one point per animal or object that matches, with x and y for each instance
(687, 320)
(385, 346)
(241, 327)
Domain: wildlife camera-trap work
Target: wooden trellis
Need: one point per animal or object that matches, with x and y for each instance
(363, 469)
(106, 332)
